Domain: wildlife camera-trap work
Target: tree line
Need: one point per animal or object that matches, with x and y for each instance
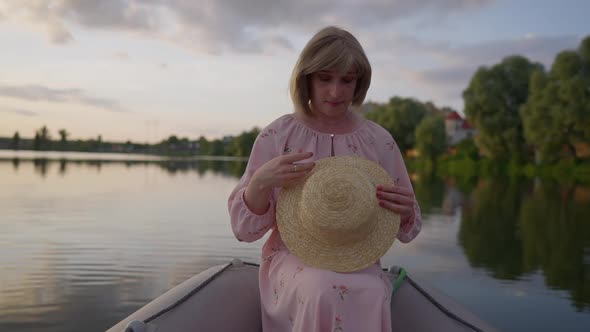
(237, 146)
(521, 111)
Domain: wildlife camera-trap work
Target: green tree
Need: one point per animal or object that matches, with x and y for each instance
(44, 133)
(216, 148)
(466, 149)
(172, 141)
(557, 113)
(169, 145)
(99, 143)
(36, 142)
(203, 146)
(184, 144)
(242, 144)
(63, 138)
(42, 140)
(492, 102)
(400, 117)
(16, 141)
(431, 137)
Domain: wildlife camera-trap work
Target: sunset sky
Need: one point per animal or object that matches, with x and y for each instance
(144, 70)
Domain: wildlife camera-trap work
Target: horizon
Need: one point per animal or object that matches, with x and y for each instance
(143, 72)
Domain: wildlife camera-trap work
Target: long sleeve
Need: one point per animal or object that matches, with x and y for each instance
(392, 161)
(247, 225)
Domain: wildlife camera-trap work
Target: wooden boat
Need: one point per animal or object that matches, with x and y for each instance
(226, 298)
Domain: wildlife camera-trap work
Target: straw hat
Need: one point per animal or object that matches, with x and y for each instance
(332, 219)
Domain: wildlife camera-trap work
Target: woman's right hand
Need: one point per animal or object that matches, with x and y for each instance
(280, 171)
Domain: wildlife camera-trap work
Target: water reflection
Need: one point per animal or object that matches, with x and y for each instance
(488, 232)
(63, 167)
(15, 163)
(98, 239)
(228, 168)
(509, 227)
(430, 192)
(41, 166)
(92, 298)
(515, 228)
(554, 221)
(438, 195)
(86, 243)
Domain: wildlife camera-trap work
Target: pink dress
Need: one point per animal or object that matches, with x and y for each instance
(296, 297)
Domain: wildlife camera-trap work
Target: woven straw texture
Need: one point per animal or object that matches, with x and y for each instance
(332, 219)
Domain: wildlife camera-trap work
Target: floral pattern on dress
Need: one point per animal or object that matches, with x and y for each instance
(338, 324)
(342, 290)
(290, 149)
(300, 300)
(297, 271)
(258, 230)
(282, 281)
(274, 252)
(268, 133)
(390, 145)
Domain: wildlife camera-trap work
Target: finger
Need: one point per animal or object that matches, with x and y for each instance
(291, 158)
(397, 198)
(296, 168)
(395, 189)
(303, 167)
(291, 178)
(400, 209)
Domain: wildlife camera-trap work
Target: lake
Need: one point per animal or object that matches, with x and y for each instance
(86, 242)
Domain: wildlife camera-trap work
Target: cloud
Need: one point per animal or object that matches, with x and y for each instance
(19, 112)
(537, 48)
(215, 26)
(122, 55)
(459, 63)
(441, 70)
(42, 93)
(58, 34)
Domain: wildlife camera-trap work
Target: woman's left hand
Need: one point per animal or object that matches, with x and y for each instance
(397, 199)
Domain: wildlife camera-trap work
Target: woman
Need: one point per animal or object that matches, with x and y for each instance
(328, 85)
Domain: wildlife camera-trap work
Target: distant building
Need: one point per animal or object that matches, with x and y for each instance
(227, 139)
(458, 128)
(194, 146)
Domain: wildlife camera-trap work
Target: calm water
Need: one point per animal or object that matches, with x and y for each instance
(86, 243)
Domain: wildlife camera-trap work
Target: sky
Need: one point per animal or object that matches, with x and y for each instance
(143, 70)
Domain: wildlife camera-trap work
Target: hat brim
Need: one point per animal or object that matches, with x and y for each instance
(343, 257)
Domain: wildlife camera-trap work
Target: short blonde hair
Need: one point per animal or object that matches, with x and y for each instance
(330, 48)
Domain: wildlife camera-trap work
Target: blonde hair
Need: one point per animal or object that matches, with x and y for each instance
(330, 48)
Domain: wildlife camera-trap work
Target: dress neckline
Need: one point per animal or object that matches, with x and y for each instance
(353, 132)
